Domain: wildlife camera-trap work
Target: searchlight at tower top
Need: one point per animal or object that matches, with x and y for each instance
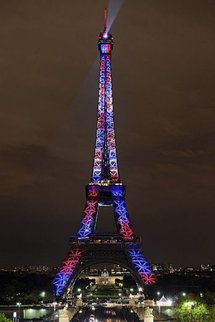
(105, 42)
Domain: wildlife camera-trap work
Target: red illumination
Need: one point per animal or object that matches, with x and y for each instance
(93, 192)
(149, 279)
(71, 261)
(126, 231)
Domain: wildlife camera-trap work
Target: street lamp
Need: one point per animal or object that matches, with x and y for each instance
(132, 311)
(43, 294)
(158, 294)
(19, 305)
(184, 294)
(14, 316)
(54, 305)
(54, 308)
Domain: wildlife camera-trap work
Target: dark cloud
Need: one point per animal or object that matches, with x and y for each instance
(163, 76)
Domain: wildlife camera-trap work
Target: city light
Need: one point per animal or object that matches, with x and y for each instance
(169, 302)
(189, 303)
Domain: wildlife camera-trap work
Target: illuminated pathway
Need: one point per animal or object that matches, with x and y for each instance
(102, 314)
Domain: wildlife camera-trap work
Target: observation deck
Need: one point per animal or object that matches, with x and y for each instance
(104, 238)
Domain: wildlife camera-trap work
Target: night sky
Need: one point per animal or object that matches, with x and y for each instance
(163, 78)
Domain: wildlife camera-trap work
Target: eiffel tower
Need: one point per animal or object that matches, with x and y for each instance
(105, 189)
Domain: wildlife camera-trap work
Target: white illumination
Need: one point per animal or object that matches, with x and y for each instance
(169, 302)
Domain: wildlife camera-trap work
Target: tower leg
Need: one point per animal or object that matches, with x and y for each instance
(140, 264)
(122, 219)
(86, 253)
(67, 270)
(88, 220)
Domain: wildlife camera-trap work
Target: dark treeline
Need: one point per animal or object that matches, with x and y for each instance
(173, 284)
(25, 287)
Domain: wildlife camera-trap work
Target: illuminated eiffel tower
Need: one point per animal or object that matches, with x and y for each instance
(104, 189)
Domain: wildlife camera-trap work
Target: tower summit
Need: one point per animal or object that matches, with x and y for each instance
(105, 189)
(105, 168)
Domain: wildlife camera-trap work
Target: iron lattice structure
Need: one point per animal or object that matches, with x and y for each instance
(104, 189)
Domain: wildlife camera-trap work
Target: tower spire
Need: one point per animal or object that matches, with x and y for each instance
(105, 19)
(105, 165)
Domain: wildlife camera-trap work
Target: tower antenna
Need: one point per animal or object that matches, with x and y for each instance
(105, 19)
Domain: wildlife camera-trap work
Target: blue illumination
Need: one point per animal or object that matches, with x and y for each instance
(123, 221)
(88, 220)
(141, 265)
(67, 270)
(105, 48)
